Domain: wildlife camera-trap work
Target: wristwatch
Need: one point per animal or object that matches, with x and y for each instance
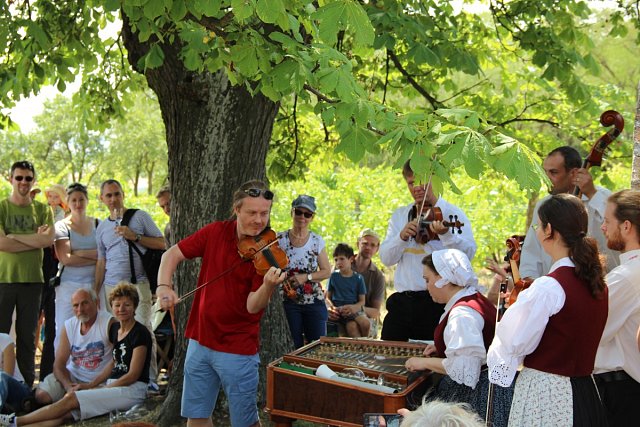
(138, 237)
(309, 278)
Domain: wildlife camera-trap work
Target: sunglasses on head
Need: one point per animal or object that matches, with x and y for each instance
(256, 192)
(298, 212)
(19, 178)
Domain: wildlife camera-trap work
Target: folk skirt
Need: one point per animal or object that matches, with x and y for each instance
(544, 399)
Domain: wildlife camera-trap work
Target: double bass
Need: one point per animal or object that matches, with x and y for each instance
(608, 118)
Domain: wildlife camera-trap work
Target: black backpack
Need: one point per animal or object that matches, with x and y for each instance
(150, 259)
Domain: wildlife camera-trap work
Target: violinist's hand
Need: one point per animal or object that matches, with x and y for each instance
(274, 277)
(409, 230)
(583, 180)
(505, 296)
(429, 350)
(167, 297)
(438, 227)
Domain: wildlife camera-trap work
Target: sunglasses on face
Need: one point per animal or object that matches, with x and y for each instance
(19, 178)
(298, 212)
(256, 192)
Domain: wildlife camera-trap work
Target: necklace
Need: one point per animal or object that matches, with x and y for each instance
(298, 240)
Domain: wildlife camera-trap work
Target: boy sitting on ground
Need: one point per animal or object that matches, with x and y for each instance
(346, 291)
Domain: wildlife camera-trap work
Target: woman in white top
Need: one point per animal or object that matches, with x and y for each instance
(554, 327)
(305, 307)
(77, 251)
(462, 337)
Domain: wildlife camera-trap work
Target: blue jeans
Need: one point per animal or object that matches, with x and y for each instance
(12, 391)
(309, 320)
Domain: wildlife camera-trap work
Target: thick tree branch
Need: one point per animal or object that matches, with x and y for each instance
(434, 102)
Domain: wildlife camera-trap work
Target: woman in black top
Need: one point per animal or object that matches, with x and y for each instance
(126, 376)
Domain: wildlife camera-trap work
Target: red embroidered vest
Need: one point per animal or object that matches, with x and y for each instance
(479, 303)
(570, 340)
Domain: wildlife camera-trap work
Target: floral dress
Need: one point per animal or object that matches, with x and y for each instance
(303, 259)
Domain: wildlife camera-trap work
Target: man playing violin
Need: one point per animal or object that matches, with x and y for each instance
(563, 166)
(223, 342)
(411, 313)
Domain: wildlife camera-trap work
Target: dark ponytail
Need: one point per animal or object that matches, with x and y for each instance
(568, 217)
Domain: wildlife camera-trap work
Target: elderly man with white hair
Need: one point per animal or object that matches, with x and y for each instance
(83, 352)
(462, 337)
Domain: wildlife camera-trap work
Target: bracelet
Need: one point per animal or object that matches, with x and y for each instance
(162, 284)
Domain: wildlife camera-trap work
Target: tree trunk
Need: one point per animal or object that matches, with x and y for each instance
(217, 138)
(150, 179)
(635, 165)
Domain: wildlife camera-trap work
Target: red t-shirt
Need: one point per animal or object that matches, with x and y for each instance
(219, 318)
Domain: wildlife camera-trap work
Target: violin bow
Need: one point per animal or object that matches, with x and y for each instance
(225, 272)
(426, 189)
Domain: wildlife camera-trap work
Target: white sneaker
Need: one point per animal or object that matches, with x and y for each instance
(8, 420)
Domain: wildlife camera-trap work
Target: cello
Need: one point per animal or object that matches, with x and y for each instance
(608, 118)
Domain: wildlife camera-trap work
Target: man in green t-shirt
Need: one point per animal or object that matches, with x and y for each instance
(26, 226)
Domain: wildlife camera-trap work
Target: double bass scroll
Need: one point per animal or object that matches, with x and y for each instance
(607, 119)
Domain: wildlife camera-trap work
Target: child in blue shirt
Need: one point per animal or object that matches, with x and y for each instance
(346, 291)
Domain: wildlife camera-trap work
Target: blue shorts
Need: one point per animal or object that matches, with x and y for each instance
(205, 370)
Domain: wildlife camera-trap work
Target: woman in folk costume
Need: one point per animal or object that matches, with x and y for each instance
(555, 326)
(462, 337)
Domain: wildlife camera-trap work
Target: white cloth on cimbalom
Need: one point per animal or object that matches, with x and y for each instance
(618, 347)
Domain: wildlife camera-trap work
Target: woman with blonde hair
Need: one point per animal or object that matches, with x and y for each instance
(56, 196)
(123, 382)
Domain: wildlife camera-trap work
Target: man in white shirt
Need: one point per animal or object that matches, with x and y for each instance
(564, 169)
(411, 313)
(617, 366)
(83, 352)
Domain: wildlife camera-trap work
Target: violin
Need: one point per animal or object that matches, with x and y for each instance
(608, 118)
(434, 213)
(514, 249)
(262, 249)
(265, 252)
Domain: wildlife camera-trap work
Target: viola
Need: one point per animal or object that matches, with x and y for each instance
(608, 118)
(513, 256)
(434, 213)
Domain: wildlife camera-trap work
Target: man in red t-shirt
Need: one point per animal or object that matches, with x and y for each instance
(224, 322)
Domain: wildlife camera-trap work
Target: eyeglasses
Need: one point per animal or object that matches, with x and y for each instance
(19, 178)
(256, 192)
(535, 226)
(298, 212)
